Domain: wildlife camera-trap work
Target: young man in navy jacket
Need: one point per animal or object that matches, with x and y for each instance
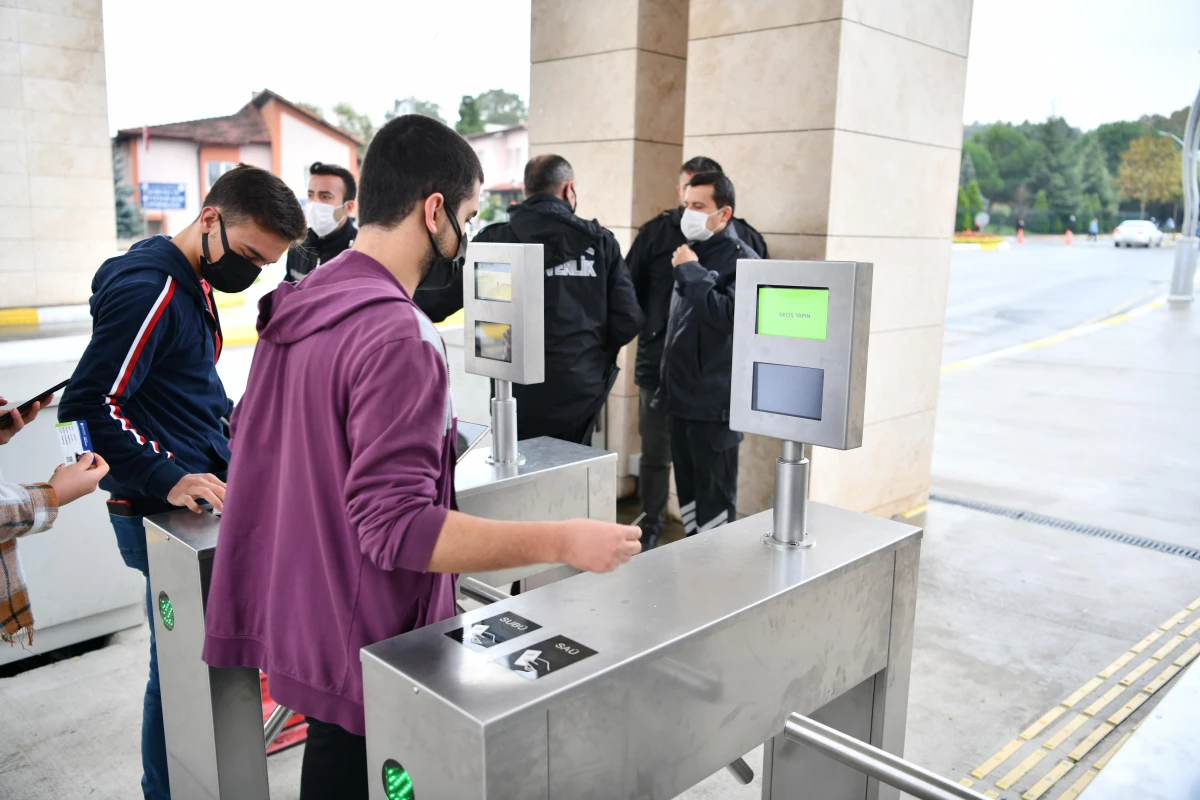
(147, 385)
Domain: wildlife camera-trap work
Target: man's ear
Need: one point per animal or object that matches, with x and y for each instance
(208, 219)
(433, 203)
(350, 206)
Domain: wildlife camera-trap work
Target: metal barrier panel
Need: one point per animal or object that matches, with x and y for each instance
(642, 682)
(212, 717)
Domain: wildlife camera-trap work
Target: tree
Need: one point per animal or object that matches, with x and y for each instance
(975, 203)
(1149, 172)
(1041, 213)
(1014, 156)
(986, 173)
(966, 169)
(1096, 182)
(469, 120)
(1175, 123)
(962, 220)
(498, 107)
(412, 105)
(313, 109)
(1058, 171)
(358, 124)
(1114, 138)
(129, 219)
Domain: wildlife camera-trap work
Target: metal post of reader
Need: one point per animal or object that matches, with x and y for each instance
(791, 498)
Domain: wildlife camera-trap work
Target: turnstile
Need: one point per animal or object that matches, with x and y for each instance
(642, 682)
(213, 717)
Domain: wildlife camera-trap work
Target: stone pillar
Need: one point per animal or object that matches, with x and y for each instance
(57, 218)
(840, 123)
(606, 93)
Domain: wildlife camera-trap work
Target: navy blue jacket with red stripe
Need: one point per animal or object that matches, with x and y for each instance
(147, 385)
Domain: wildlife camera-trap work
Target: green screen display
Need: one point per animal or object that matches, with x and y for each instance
(794, 313)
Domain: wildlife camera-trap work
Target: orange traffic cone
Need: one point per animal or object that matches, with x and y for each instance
(1020, 236)
(1067, 240)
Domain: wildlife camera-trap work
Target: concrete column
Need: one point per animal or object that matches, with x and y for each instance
(57, 218)
(606, 93)
(840, 123)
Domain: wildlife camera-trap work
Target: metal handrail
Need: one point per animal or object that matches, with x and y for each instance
(879, 764)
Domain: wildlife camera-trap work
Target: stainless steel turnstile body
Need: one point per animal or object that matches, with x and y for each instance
(701, 650)
(213, 717)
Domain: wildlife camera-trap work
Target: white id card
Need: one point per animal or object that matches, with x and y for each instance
(74, 440)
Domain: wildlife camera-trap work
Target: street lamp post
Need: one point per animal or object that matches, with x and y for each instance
(1184, 275)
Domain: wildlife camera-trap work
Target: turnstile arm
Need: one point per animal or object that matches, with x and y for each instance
(879, 764)
(480, 592)
(274, 724)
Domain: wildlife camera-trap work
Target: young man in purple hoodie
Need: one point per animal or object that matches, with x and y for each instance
(338, 528)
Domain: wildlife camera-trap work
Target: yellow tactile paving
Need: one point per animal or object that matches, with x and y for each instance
(1083, 691)
(1161, 679)
(1188, 656)
(1149, 640)
(1102, 701)
(1018, 772)
(1093, 739)
(1191, 628)
(1195, 604)
(967, 782)
(1166, 649)
(1173, 621)
(1112, 668)
(1048, 780)
(1138, 671)
(1078, 786)
(1064, 732)
(1005, 753)
(1124, 711)
(992, 793)
(1039, 726)
(1103, 760)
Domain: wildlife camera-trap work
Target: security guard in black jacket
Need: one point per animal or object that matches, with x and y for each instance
(650, 265)
(698, 356)
(331, 200)
(591, 309)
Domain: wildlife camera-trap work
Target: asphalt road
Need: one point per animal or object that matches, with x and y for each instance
(1000, 299)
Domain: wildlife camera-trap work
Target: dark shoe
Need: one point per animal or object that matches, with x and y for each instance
(649, 540)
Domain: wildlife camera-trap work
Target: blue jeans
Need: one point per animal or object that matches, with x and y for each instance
(131, 541)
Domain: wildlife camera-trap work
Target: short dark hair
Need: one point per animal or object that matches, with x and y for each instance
(700, 164)
(250, 193)
(723, 194)
(350, 190)
(546, 173)
(410, 158)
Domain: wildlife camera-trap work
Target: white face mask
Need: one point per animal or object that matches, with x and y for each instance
(320, 217)
(695, 225)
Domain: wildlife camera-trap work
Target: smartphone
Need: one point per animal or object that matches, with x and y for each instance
(24, 408)
(469, 435)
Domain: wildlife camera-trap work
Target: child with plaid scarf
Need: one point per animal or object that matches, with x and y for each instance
(32, 508)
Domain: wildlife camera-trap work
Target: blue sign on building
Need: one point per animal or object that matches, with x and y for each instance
(165, 196)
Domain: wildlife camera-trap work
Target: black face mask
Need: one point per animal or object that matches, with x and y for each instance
(443, 272)
(231, 272)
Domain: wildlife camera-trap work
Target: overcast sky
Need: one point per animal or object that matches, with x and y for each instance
(1092, 61)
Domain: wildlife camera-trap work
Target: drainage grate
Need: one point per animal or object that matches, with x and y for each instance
(1074, 527)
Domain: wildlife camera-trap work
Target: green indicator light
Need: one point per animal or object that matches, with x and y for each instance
(396, 783)
(166, 611)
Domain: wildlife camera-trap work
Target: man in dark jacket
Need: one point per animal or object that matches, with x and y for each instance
(698, 356)
(650, 264)
(331, 202)
(147, 385)
(591, 309)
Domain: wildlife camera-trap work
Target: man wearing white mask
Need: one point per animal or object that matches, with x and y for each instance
(331, 202)
(698, 355)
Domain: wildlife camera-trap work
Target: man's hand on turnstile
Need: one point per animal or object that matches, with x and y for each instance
(198, 487)
(595, 546)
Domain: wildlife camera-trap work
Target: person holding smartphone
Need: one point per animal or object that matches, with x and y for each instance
(28, 508)
(147, 384)
(338, 529)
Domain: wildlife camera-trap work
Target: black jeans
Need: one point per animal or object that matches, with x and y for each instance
(705, 455)
(335, 764)
(654, 470)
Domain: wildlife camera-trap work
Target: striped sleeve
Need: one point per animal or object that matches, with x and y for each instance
(133, 325)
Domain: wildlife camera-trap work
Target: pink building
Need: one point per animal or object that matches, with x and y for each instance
(503, 153)
(183, 159)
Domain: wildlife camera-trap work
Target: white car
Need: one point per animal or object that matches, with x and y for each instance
(1137, 232)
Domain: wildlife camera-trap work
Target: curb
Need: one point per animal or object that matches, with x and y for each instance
(975, 247)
